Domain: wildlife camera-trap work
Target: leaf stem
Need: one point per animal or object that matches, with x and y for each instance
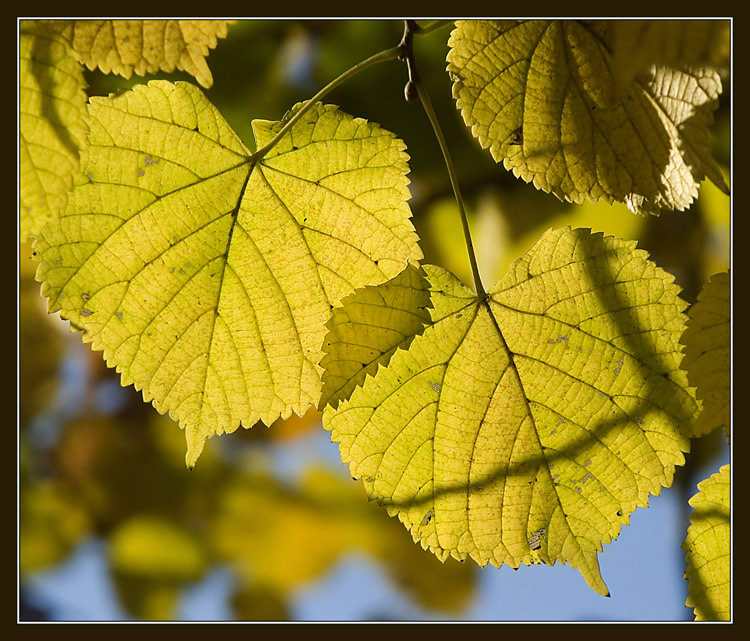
(424, 97)
(383, 56)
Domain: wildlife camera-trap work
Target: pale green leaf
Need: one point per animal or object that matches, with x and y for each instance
(526, 427)
(206, 279)
(125, 47)
(707, 548)
(707, 347)
(368, 327)
(638, 44)
(52, 124)
(539, 95)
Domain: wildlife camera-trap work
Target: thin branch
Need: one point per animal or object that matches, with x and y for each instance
(416, 85)
(383, 56)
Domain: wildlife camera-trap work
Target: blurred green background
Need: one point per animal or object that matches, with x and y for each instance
(97, 464)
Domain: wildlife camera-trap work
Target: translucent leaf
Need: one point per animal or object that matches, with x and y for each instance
(539, 95)
(706, 362)
(638, 44)
(52, 123)
(145, 46)
(528, 426)
(371, 324)
(206, 279)
(707, 549)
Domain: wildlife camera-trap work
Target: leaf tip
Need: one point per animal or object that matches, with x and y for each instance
(195, 442)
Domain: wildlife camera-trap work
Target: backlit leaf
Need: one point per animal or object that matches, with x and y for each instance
(638, 44)
(539, 95)
(145, 46)
(368, 327)
(52, 123)
(206, 279)
(706, 362)
(528, 426)
(707, 548)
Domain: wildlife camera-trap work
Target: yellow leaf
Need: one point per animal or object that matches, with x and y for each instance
(52, 123)
(52, 522)
(207, 279)
(145, 46)
(638, 44)
(539, 95)
(305, 531)
(707, 548)
(706, 362)
(527, 426)
(368, 327)
(151, 559)
(151, 547)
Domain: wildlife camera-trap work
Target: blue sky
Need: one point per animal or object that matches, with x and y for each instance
(643, 569)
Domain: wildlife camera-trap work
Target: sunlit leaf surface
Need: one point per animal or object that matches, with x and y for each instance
(707, 549)
(207, 279)
(528, 426)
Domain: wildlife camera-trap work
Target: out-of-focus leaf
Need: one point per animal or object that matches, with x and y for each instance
(147, 599)
(40, 344)
(252, 602)
(303, 532)
(52, 523)
(707, 548)
(715, 207)
(118, 470)
(707, 345)
(151, 559)
(153, 547)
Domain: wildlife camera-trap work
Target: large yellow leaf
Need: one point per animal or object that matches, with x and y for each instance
(706, 362)
(526, 427)
(638, 44)
(52, 123)
(539, 95)
(206, 279)
(707, 548)
(145, 46)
